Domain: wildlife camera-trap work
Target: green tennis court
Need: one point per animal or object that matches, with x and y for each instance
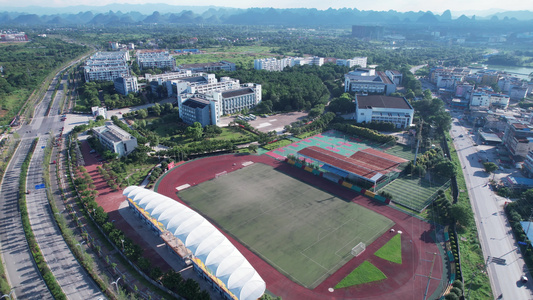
(305, 233)
(413, 193)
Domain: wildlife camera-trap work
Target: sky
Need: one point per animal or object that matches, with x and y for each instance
(436, 6)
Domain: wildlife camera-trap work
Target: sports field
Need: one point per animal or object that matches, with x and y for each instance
(305, 233)
(413, 193)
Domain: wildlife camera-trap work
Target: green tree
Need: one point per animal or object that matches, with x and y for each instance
(462, 215)
(490, 167)
(194, 131)
(445, 168)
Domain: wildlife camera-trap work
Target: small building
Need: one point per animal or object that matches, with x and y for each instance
(116, 139)
(350, 63)
(518, 183)
(99, 111)
(527, 166)
(380, 108)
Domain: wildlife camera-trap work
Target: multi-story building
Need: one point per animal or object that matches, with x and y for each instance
(480, 99)
(160, 59)
(125, 85)
(527, 167)
(209, 67)
(518, 138)
(368, 81)
(115, 139)
(380, 108)
(463, 90)
(106, 66)
(499, 101)
(356, 61)
(207, 108)
(459, 74)
(274, 64)
(271, 64)
(176, 87)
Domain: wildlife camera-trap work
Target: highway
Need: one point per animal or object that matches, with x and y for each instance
(505, 264)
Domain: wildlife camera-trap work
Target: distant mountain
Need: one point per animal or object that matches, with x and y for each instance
(168, 14)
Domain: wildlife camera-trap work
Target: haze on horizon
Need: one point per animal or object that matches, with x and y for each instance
(379, 5)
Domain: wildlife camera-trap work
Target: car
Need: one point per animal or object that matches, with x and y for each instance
(461, 135)
(482, 151)
(523, 278)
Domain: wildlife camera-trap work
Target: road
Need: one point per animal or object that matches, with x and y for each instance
(505, 264)
(22, 273)
(70, 275)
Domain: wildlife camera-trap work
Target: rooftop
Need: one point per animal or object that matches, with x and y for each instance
(235, 93)
(196, 103)
(382, 101)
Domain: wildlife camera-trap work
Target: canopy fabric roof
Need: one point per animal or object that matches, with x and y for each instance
(205, 241)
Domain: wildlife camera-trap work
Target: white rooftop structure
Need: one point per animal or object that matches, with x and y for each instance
(219, 256)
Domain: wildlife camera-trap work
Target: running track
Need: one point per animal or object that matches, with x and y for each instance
(405, 281)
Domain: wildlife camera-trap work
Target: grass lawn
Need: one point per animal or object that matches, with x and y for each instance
(241, 60)
(365, 273)
(278, 144)
(392, 250)
(305, 233)
(412, 192)
(233, 133)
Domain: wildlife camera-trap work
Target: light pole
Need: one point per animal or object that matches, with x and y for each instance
(79, 244)
(116, 282)
(122, 245)
(8, 295)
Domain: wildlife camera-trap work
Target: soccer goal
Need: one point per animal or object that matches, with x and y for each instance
(360, 248)
(221, 174)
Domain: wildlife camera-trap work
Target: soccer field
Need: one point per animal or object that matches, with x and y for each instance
(305, 233)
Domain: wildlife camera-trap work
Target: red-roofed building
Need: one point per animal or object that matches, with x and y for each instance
(369, 165)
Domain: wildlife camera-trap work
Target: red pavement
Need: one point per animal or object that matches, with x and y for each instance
(110, 201)
(404, 281)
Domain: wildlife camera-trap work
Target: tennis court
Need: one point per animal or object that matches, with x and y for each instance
(305, 233)
(414, 193)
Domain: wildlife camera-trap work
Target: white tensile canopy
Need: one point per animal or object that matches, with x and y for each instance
(207, 243)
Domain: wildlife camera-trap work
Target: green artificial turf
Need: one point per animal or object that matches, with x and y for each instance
(392, 250)
(365, 273)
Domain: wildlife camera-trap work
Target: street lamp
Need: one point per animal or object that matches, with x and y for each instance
(122, 245)
(116, 282)
(8, 295)
(79, 244)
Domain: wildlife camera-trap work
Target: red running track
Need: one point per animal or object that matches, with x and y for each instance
(404, 281)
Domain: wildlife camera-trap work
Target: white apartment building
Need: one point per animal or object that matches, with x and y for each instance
(274, 64)
(380, 108)
(125, 85)
(184, 87)
(115, 139)
(356, 61)
(106, 66)
(155, 59)
(368, 81)
(209, 107)
(499, 100)
(479, 100)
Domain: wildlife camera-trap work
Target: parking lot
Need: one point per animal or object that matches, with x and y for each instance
(266, 124)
